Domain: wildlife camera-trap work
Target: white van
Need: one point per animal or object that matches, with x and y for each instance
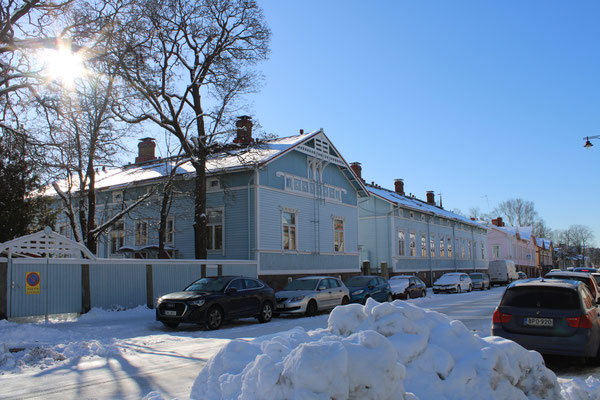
(502, 272)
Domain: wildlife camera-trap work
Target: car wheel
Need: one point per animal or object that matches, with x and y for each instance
(214, 318)
(345, 300)
(266, 312)
(423, 293)
(489, 286)
(470, 288)
(408, 296)
(170, 324)
(311, 308)
(458, 289)
(390, 298)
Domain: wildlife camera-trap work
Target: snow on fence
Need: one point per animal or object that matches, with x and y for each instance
(47, 286)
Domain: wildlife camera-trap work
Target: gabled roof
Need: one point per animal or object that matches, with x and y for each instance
(45, 243)
(242, 159)
(544, 243)
(418, 205)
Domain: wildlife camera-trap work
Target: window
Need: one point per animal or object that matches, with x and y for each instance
(212, 184)
(400, 243)
(469, 244)
(462, 250)
(214, 230)
(170, 231)
(432, 247)
(442, 247)
(117, 236)
(482, 251)
(413, 245)
(117, 196)
(141, 233)
(288, 221)
(422, 217)
(412, 215)
(423, 246)
(338, 234)
(251, 284)
(496, 251)
(449, 247)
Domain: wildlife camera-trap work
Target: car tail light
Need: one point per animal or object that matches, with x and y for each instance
(500, 317)
(580, 322)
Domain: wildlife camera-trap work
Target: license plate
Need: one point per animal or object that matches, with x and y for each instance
(539, 321)
(170, 312)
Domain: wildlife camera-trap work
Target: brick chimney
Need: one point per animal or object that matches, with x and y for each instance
(146, 148)
(244, 130)
(498, 222)
(430, 197)
(399, 186)
(357, 169)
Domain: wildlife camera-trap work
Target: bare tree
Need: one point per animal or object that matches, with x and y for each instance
(581, 237)
(518, 212)
(541, 230)
(190, 62)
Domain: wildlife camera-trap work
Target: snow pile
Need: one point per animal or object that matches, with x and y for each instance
(579, 389)
(378, 351)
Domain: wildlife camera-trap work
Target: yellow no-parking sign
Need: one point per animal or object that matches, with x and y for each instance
(32, 283)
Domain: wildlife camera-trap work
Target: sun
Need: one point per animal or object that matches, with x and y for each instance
(63, 65)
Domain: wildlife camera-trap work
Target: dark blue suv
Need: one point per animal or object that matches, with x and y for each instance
(364, 286)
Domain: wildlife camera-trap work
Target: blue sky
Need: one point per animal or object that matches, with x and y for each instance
(478, 100)
(481, 101)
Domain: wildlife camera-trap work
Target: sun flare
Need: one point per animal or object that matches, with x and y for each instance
(63, 65)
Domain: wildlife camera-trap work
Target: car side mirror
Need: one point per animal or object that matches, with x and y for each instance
(231, 290)
(322, 287)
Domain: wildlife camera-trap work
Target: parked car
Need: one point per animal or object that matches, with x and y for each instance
(522, 275)
(364, 286)
(502, 272)
(407, 287)
(585, 269)
(310, 295)
(480, 280)
(551, 316)
(585, 277)
(213, 300)
(453, 282)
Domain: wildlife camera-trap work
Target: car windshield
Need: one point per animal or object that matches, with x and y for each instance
(302, 284)
(208, 285)
(541, 297)
(476, 276)
(358, 281)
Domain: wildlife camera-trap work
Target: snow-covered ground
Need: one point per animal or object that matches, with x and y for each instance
(127, 354)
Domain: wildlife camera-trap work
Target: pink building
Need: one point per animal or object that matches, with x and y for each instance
(513, 243)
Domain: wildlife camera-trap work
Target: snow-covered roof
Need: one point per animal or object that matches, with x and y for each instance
(525, 232)
(545, 243)
(418, 205)
(243, 158)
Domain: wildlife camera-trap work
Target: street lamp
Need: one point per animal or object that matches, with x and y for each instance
(589, 144)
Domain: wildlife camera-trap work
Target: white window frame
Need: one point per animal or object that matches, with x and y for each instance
(210, 182)
(423, 245)
(401, 243)
(432, 246)
(339, 249)
(442, 246)
(171, 231)
(449, 247)
(116, 233)
(412, 244)
(137, 233)
(212, 226)
(496, 251)
(285, 225)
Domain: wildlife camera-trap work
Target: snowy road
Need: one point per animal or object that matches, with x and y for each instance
(128, 354)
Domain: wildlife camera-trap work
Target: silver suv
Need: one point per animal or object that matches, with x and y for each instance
(311, 294)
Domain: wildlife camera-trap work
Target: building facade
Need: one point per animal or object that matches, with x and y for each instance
(515, 243)
(410, 236)
(290, 204)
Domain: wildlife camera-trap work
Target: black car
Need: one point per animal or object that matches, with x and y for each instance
(551, 316)
(213, 300)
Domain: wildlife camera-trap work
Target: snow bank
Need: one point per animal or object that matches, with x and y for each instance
(579, 389)
(378, 351)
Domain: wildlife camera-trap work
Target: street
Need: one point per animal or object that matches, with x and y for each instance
(128, 354)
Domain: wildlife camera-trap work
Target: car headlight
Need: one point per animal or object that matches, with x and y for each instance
(297, 298)
(158, 301)
(360, 291)
(198, 302)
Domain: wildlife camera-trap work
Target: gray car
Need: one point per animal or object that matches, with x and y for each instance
(480, 280)
(311, 294)
(551, 316)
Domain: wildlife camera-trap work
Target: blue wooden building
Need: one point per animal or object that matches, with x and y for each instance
(411, 236)
(290, 204)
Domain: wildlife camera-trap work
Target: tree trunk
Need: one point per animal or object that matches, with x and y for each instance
(92, 241)
(200, 218)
